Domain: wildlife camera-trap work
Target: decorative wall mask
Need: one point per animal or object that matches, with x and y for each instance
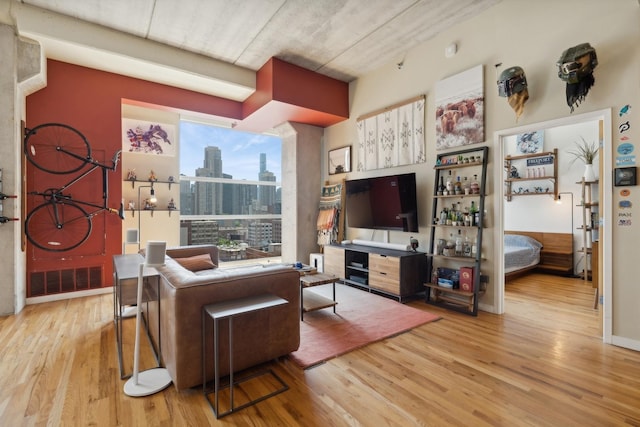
(575, 67)
(512, 84)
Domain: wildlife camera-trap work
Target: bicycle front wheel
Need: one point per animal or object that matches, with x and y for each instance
(56, 148)
(57, 227)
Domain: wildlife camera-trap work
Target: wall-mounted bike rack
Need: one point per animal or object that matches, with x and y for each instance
(4, 219)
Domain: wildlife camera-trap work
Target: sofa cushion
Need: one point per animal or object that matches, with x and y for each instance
(196, 262)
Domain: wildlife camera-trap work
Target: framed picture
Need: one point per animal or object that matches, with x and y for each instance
(460, 109)
(531, 142)
(340, 160)
(148, 137)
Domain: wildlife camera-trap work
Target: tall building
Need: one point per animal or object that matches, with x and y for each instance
(186, 198)
(266, 193)
(208, 195)
(263, 162)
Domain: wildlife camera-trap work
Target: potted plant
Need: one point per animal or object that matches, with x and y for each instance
(587, 152)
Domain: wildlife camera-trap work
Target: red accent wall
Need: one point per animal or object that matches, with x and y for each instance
(90, 101)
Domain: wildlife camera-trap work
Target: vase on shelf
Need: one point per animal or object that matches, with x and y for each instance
(589, 174)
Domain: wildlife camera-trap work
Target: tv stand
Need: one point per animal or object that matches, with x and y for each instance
(395, 273)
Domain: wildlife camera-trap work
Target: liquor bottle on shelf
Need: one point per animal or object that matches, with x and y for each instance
(474, 247)
(473, 213)
(475, 187)
(459, 244)
(457, 186)
(441, 187)
(466, 186)
(444, 214)
(449, 184)
(467, 217)
(466, 246)
(450, 247)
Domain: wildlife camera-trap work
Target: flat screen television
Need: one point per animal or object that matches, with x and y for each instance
(383, 203)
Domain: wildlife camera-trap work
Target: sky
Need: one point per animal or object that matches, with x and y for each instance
(240, 150)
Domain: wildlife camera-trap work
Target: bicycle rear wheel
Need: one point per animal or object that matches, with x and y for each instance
(56, 148)
(73, 229)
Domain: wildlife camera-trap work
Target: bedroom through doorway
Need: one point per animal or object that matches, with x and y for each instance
(541, 255)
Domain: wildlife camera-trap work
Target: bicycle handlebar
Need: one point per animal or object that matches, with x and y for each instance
(119, 211)
(116, 159)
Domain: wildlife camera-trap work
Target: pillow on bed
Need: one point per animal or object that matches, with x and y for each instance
(196, 262)
(521, 241)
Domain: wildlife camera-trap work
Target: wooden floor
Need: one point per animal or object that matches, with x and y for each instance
(540, 364)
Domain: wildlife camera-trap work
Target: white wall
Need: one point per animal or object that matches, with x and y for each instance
(532, 35)
(160, 225)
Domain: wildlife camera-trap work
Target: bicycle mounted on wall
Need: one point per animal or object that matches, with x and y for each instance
(61, 223)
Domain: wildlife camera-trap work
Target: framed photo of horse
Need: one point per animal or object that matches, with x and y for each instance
(144, 137)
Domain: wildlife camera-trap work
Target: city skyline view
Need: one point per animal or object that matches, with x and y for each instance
(240, 150)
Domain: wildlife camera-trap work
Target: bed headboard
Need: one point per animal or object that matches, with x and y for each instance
(556, 254)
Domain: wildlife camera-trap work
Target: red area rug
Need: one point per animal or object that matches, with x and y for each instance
(361, 318)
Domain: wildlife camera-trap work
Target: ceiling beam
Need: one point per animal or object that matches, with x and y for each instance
(82, 43)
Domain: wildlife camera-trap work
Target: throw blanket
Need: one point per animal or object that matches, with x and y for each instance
(329, 214)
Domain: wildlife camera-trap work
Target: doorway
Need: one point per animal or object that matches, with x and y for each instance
(604, 160)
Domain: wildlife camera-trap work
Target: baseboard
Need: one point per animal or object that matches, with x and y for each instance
(69, 295)
(625, 342)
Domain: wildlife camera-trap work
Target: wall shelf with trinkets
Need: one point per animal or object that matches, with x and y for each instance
(537, 169)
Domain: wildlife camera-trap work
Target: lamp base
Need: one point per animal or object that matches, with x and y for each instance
(149, 382)
(130, 311)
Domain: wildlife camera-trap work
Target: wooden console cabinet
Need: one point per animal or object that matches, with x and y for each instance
(396, 273)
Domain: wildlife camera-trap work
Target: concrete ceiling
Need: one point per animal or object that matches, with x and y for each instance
(343, 39)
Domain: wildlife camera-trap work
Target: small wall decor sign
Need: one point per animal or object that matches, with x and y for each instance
(624, 177)
(537, 161)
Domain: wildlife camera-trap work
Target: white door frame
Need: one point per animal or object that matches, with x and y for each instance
(605, 207)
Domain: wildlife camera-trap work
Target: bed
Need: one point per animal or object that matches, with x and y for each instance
(521, 253)
(554, 253)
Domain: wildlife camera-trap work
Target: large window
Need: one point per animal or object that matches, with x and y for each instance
(230, 190)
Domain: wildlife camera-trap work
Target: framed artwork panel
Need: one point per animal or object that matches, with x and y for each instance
(340, 160)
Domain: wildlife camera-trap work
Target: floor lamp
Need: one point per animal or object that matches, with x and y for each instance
(152, 380)
(131, 238)
(152, 199)
(559, 201)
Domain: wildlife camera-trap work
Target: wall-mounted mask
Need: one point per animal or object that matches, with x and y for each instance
(575, 67)
(513, 85)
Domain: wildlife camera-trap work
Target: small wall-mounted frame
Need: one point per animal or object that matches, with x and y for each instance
(340, 160)
(624, 177)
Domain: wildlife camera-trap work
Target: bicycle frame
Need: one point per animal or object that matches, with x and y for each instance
(60, 223)
(57, 195)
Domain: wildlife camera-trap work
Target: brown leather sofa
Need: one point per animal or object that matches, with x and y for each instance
(258, 337)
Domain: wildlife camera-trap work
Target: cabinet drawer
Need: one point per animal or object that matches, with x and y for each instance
(384, 281)
(385, 264)
(334, 261)
(384, 273)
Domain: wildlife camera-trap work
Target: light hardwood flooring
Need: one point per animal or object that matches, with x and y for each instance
(540, 364)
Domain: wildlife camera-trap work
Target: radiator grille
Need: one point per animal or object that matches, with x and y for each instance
(67, 280)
